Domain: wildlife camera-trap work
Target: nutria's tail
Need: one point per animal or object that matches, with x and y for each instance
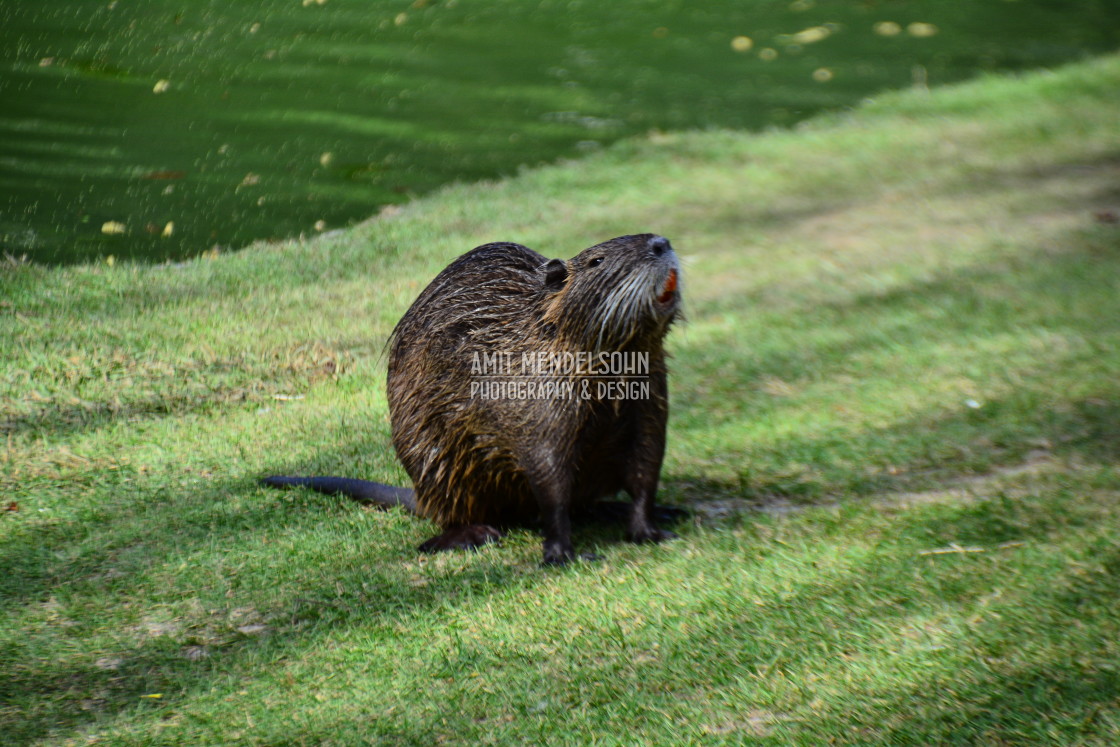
(363, 491)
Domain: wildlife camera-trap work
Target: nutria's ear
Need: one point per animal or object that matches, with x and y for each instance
(555, 273)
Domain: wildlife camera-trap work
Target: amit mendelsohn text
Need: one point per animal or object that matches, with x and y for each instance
(566, 375)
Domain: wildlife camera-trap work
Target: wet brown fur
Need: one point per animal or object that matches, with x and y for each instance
(502, 461)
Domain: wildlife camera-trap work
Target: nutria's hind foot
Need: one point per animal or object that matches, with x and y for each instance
(465, 537)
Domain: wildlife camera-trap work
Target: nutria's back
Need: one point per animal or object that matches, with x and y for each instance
(489, 417)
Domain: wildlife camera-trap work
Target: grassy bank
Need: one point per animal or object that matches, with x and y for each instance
(895, 407)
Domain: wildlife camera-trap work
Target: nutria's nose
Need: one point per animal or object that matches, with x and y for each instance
(659, 245)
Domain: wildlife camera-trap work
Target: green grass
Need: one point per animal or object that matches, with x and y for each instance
(896, 409)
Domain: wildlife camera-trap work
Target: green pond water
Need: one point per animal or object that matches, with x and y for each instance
(159, 129)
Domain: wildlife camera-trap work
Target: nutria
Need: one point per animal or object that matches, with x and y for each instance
(524, 388)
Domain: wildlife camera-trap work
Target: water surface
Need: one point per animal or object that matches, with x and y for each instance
(159, 129)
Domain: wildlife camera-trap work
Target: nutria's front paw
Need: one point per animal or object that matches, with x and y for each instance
(651, 535)
(558, 553)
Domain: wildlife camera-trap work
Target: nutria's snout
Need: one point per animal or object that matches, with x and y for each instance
(659, 245)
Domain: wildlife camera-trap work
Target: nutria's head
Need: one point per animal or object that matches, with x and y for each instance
(622, 293)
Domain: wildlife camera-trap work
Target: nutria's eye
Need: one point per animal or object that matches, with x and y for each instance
(595, 262)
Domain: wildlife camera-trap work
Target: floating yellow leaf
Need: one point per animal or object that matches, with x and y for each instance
(326, 158)
(161, 86)
(400, 19)
(168, 229)
(742, 43)
(811, 35)
(110, 260)
(320, 225)
(112, 227)
(153, 695)
(887, 28)
(921, 30)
